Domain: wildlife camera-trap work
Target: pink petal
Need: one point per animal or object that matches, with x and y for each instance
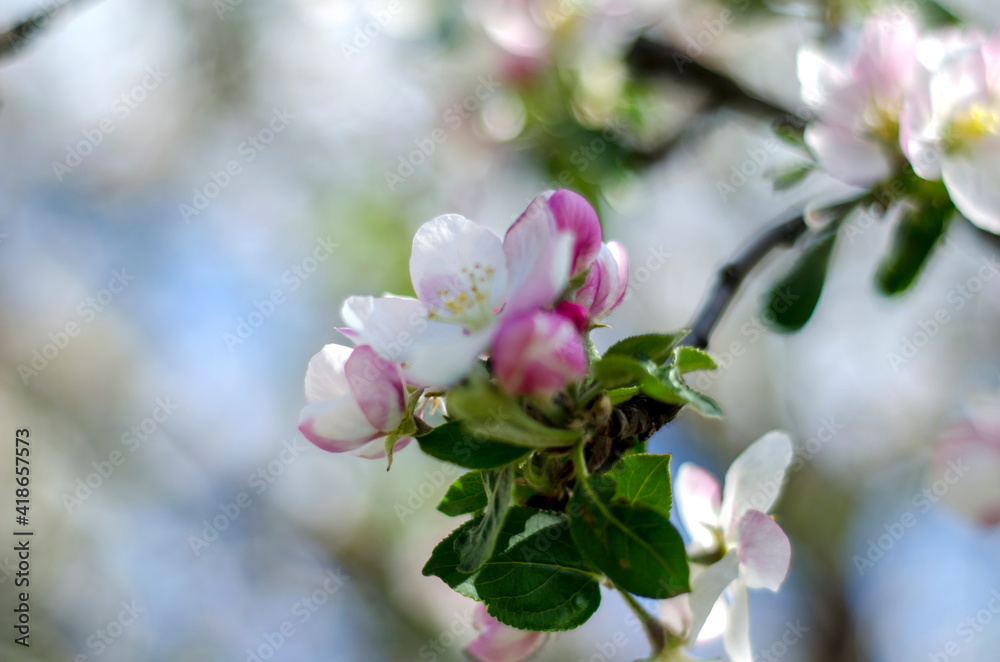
(377, 386)
(572, 213)
(764, 550)
(501, 643)
(606, 283)
(539, 259)
(847, 155)
(336, 425)
(537, 353)
(699, 499)
(755, 478)
(325, 376)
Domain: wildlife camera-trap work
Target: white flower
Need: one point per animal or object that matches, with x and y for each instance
(732, 523)
(951, 124)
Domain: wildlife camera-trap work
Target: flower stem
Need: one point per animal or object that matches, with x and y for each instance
(654, 629)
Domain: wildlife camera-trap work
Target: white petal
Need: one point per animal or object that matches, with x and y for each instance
(737, 636)
(707, 586)
(325, 377)
(973, 181)
(764, 550)
(459, 270)
(675, 614)
(755, 478)
(447, 361)
(847, 155)
(336, 425)
(397, 328)
(699, 499)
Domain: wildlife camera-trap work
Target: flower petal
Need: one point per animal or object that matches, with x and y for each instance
(447, 360)
(459, 270)
(755, 478)
(336, 425)
(764, 550)
(325, 376)
(846, 155)
(539, 259)
(537, 353)
(375, 449)
(707, 586)
(736, 638)
(572, 213)
(699, 500)
(378, 388)
(973, 181)
(501, 643)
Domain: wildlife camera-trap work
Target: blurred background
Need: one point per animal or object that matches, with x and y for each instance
(189, 189)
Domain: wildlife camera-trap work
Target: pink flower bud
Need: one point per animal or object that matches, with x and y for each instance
(538, 353)
(501, 643)
(606, 283)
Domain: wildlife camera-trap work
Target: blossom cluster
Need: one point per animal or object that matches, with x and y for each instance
(524, 303)
(901, 98)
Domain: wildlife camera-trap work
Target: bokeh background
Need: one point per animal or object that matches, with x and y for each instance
(189, 189)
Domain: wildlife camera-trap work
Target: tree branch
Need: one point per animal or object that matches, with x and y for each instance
(24, 31)
(732, 275)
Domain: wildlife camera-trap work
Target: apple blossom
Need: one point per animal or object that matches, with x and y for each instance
(354, 398)
(951, 125)
(606, 283)
(731, 525)
(467, 279)
(970, 451)
(497, 642)
(538, 353)
(858, 100)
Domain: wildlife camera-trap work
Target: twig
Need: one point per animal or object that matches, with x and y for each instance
(733, 274)
(647, 57)
(23, 32)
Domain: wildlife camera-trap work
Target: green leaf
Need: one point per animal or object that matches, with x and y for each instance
(644, 478)
(489, 413)
(616, 372)
(451, 442)
(655, 347)
(914, 240)
(703, 404)
(536, 579)
(466, 495)
(690, 359)
(477, 544)
(792, 301)
(633, 544)
(790, 177)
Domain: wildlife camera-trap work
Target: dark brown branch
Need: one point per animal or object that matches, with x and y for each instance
(651, 58)
(24, 32)
(735, 272)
